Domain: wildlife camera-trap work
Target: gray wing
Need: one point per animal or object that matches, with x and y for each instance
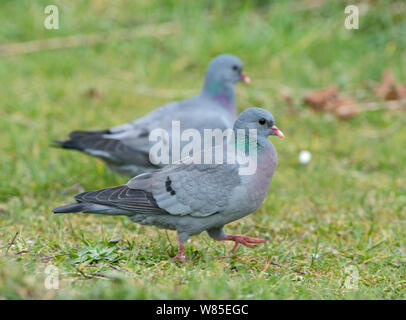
(122, 197)
(198, 190)
(131, 140)
(196, 112)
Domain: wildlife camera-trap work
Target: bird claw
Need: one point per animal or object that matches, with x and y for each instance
(179, 257)
(244, 240)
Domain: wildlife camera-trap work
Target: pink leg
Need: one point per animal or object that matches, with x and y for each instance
(244, 240)
(180, 256)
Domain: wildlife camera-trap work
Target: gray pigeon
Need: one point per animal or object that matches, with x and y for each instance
(125, 148)
(192, 198)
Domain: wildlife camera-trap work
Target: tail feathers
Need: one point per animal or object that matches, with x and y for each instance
(67, 144)
(91, 142)
(88, 207)
(99, 144)
(80, 140)
(95, 132)
(70, 208)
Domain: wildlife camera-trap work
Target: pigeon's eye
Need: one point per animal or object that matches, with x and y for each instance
(235, 68)
(262, 121)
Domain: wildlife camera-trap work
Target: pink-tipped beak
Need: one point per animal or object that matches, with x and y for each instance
(278, 132)
(245, 78)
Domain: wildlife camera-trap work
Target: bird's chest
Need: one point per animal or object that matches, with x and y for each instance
(250, 194)
(257, 186)
(253, 188)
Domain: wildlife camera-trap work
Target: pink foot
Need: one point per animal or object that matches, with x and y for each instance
(244, 240)
(180, 256)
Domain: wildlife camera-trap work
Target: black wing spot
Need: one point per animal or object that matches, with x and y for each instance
(168, 186)
(168, 182)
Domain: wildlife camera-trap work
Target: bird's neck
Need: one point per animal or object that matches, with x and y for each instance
(261, 144)
(244, 143)
(267, 160)
(222, 92)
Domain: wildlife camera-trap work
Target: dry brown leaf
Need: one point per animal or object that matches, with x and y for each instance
(388, 89)
(328, 100)
(320, 99)
(345, 108)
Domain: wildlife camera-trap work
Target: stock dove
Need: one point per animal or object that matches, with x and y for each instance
(125, 148)
(190, 197)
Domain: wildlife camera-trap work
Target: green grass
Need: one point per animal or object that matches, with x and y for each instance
(350, 199)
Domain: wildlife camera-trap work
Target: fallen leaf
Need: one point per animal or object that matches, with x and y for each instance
(345, 108)
(388, 89)
(328, 100)
(320, 99)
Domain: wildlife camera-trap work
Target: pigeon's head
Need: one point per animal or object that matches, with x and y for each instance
(226, 68)
(260, 120)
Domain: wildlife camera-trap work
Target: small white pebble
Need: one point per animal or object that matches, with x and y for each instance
(305, 157)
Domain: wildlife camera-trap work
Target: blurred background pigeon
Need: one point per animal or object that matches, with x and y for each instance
(125, 148)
